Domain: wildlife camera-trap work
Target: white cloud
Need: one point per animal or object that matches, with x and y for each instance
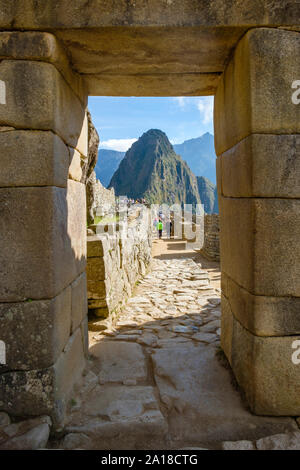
(181, 101)
(205, 105)
(206, 108)
(176, 141)
(122, 145)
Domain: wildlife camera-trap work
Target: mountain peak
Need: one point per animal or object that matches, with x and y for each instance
(152, 170)
(198, 153)
(207, 134)
(155, 132)
(155, 141)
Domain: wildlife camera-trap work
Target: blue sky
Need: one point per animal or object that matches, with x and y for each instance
(120, 121)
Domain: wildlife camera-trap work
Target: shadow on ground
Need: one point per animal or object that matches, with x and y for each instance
(155, 379)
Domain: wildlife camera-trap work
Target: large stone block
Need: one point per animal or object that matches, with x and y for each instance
(226, 328)
(48, 105)
(260, 247)
(84, 329)
(68, 369)
(97, 245)
(262, 315)
(42, 249)
(130, 365)
(75, 168)
(76, 203)
(237, 239)
(79, 301)
(96, 14)
(137, 37)
(156, 84)
(82, 142)
(41, 46)
(32, 158)
(98, 269)
(264, 369)
(175, 51)
(45, 391)
(219, 176)
(35, 332)
(263, 166)
(98, 289)
(255, 92)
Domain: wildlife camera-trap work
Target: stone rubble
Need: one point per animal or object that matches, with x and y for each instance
(287, 441)
(31, 434)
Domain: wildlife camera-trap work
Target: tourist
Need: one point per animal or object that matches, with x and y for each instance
(170, 228)
(159, 228)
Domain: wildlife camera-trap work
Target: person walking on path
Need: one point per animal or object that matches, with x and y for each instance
(159, 228)
(170, 231)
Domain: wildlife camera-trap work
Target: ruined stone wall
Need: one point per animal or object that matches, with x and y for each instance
(88, 168)
(100, 201)
(104, 200)
(115, 263)
(211, 247)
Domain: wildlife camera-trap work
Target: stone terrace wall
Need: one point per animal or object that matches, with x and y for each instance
(211, 247)
(104, 199)
(115, 263)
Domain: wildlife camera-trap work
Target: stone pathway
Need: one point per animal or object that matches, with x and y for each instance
(155, 378)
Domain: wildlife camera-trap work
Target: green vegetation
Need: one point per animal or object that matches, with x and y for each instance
(107, 219)
(208, 195)
(152, 170)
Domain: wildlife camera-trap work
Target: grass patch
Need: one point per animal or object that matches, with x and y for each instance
(73, 402)
(106, 219)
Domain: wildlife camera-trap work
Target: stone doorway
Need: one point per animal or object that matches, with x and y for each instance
(222, 52)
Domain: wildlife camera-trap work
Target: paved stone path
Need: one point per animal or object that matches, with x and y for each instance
(155, 378)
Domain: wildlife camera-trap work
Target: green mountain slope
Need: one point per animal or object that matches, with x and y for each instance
(207, 193)
(199, 153)
(152, 170)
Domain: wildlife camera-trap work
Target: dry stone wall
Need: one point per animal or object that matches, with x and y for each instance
(115, 262)
(103, 200)
(211, 247)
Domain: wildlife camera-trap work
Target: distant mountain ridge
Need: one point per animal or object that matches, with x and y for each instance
(199, 153)
(107, 163)
(151, 169)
